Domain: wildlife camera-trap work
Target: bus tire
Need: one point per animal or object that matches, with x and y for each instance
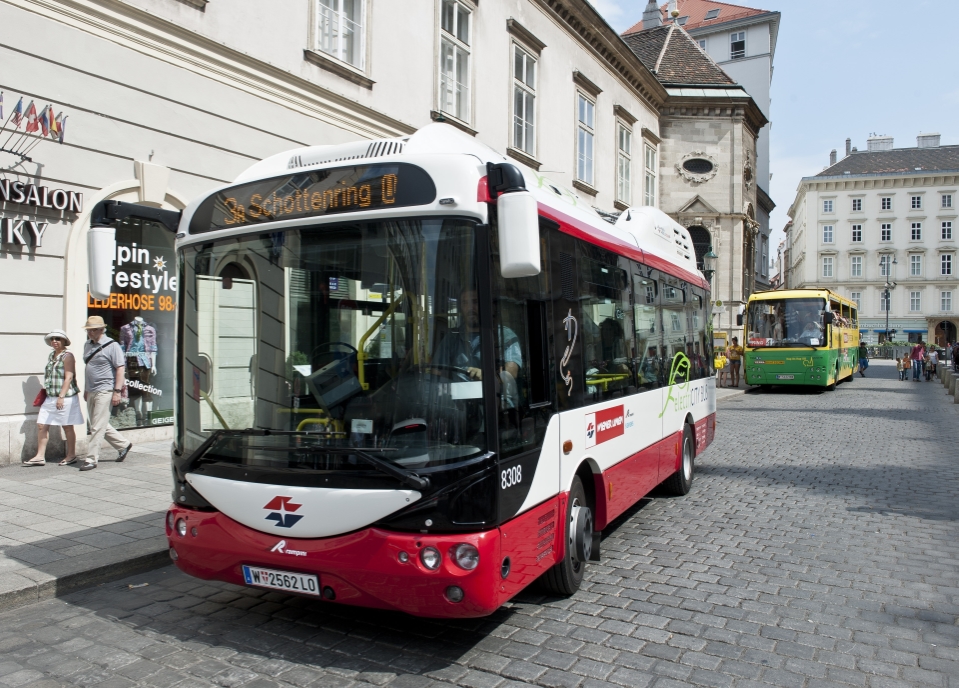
(565, 577)
(681, 482)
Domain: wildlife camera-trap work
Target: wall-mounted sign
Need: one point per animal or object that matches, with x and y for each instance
(40, 196)
(20, 231)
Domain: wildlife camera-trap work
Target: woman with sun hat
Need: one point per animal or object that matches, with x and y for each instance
(62, 404)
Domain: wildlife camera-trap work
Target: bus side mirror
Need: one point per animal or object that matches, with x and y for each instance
(828, 317)
(518, 234)
(101, 249)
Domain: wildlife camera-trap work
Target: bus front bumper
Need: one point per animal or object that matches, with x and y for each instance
(363, 568)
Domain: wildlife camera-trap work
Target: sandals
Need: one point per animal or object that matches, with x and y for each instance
(69, 461)
(36, 461)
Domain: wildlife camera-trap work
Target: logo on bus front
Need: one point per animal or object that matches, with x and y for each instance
(281, 509)
(604, 425)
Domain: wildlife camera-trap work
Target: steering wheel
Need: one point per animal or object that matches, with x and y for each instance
(330, 345)
(463, 372)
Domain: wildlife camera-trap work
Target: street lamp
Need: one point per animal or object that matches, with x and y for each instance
(889, 285)
(709, 265)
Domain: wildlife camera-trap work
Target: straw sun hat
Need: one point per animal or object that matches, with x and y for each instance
(95, 322)
(57, 333)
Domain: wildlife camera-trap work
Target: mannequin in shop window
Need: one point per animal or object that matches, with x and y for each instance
(139, 341)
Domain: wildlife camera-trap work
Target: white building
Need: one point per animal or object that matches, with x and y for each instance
(883, 216)
(165, 99)
(742, 41)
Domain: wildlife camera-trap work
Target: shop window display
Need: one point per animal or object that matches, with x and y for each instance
(140, 317)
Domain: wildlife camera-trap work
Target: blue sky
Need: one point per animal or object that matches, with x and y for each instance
(847, 69)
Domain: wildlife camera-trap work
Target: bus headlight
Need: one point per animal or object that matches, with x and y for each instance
(431, 558)
(466, 556)
(181, 528)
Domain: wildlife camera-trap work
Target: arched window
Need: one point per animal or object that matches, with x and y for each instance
(701, 243)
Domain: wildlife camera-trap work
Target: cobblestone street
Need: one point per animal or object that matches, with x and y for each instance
(819, 546)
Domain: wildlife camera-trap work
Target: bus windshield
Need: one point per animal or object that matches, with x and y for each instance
(361, 335)
(785, 322)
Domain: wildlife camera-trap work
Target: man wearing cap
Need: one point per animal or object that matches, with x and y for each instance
(104, 383)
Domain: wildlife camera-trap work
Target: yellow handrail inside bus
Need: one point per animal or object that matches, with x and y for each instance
(361, 348)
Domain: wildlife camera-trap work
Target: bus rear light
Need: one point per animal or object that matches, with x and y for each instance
(466, 556)
(431, 558)
(169, 521)
(181, 528)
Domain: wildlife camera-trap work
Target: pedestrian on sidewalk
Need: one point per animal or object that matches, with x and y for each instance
(948, 356)
(61, 407)
(933, 356)
(899, 368)
(104, 382)
(863, 358)
(916, 356)
(904, 365)
(735, 355)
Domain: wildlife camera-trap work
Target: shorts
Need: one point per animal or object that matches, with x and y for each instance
(735, 364)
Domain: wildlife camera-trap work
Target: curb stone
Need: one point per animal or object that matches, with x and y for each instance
(22, 587)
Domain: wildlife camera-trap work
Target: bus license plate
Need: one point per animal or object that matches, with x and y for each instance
(785, 377)
(303, 583)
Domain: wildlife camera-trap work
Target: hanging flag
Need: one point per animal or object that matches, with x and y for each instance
(54, 126)
(17, 115)
(62, 126)
(45, 121)
(31, 115)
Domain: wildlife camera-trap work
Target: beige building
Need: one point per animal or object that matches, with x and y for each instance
(707, 167)
(883, 218)
(166, 99)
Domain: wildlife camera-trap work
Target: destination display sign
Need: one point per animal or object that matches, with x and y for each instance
(315, 194)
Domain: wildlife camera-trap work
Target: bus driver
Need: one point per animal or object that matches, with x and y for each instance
(462, 349)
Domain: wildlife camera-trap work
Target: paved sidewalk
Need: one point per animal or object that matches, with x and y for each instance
(61, 529)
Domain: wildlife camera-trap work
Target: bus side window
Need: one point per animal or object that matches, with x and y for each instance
(606, 320)
(675, 333)
(647, 362)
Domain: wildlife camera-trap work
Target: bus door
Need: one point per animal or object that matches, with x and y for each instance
(525, 398)
(568, 369)
(677, 367)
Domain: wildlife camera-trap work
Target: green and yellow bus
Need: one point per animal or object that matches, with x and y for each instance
(800, 337)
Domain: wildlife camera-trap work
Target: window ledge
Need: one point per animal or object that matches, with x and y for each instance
(584, 187)
(524, 158)
(341, 69)
(447, 118)
(619, 205)
(199, 4)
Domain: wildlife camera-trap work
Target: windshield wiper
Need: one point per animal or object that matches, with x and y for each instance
(405, 476)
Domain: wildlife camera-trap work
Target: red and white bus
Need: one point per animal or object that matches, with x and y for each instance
(412, 377)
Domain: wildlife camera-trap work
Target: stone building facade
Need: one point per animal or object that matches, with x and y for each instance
(878, 217)
(742, 41)
(707, 171)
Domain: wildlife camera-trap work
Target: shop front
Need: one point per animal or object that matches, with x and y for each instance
(43, 286)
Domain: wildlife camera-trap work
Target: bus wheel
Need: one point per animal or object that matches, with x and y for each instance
(681, 482)
(565, 577)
